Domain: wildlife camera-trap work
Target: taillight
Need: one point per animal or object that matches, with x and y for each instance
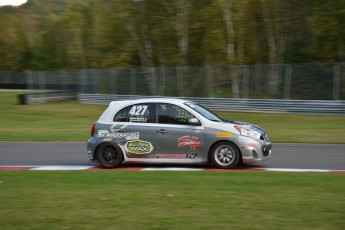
(93, 129)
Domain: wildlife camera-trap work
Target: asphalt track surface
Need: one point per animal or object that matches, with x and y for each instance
(290, 156)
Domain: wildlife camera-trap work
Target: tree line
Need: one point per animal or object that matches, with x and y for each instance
(78, 34)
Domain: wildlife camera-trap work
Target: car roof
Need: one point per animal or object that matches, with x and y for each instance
(149, 100)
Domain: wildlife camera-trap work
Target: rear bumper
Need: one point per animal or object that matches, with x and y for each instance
(91, 146)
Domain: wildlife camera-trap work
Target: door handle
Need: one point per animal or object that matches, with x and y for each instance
(162, 131)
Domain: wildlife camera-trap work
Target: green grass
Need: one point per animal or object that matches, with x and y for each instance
(171, 200)
(297, 128)
(71, 121)
(65, 121)
(165, 200)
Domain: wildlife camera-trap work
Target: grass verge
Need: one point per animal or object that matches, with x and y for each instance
(71, 121)
(171, 200)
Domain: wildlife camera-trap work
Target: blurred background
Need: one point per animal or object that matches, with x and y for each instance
(270, 49)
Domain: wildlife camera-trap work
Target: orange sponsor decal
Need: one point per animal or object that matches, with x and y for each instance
(224, 134)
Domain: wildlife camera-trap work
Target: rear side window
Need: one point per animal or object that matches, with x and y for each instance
(122, 116)
(142, 113)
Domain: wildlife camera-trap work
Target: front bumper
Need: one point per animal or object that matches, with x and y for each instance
(255, 151)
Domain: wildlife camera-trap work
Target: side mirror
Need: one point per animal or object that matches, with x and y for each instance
(194, 121)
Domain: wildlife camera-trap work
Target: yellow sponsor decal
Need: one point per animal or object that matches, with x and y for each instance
(224, 134)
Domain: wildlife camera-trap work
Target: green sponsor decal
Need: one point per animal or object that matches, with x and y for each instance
(138, 147)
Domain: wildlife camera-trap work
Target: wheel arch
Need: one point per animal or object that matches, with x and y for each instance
(104, 143)
(211, 147)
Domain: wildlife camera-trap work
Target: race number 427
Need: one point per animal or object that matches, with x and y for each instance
(138, 110)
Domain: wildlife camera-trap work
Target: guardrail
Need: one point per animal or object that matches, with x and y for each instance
(38, 98)
(237, 105)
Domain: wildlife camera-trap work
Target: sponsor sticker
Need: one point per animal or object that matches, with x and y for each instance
(117, 126)
(138, 119)
(248, 142)
(250, 145)
(175, 156)
(223, 134)
(127, 136)
(138, 147)
(193, 142)
(102, 133)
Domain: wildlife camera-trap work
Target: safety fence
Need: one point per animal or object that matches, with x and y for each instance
(280, 81)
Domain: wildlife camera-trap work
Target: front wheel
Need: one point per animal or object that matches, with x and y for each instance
(225, 155)
(109, 155)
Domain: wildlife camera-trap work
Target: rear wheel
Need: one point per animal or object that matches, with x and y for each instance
(225, 155)
(109, 155)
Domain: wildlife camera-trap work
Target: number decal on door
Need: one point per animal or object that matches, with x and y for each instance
(138, 110)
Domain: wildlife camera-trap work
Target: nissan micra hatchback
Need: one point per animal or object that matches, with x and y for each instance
(164, 130)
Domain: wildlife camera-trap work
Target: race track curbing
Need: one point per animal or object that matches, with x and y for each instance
(81, 167)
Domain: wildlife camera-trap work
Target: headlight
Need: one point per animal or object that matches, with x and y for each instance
(247, 131)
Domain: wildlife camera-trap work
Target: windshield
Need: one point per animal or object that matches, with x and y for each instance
(204, 112)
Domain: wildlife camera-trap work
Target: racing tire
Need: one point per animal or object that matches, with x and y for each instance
(109, 155)
(225, 155)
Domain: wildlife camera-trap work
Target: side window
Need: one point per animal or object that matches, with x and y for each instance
(172, 114)
(143, 113)
(122, 115)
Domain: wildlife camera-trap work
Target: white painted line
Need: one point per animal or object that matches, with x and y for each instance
(19, 166)
(295, 170)
(172, 169)
(61, 167)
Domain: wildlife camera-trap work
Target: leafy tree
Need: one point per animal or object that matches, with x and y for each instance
(14, 47)
(327, 26)
(59, 34)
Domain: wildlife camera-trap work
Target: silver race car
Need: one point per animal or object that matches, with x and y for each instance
(164, 130)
